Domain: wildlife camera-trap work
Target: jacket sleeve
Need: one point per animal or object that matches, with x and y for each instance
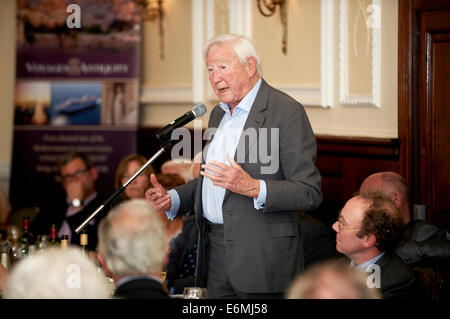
(424, 240)
(187, 196)
(300, 188)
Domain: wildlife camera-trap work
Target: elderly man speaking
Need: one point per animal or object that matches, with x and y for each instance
(245, 201)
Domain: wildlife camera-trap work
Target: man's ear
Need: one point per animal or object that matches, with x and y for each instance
(397, 198)
(251, 66)
(102, 261)
(369, 241)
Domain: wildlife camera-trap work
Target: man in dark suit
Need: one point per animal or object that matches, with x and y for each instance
(182, 258)
(132, 247)
(80, 198)
(259, 169)
(368, 230)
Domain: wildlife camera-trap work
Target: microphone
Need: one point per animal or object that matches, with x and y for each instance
(164, 134)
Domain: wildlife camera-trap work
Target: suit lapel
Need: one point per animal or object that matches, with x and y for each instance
(384, 260)
(255, 119)
(216, 117)
(213, 124)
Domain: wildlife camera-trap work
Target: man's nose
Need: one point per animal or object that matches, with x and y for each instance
(335, 227)
(215, 77)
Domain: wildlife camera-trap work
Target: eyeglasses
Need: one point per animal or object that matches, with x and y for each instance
(69, 177)
(341, 224)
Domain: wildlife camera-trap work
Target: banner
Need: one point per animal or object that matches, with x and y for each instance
(77, 89)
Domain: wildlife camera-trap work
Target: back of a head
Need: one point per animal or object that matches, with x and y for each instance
(198, 157)
(132, 239)
(332, 280)
(387, 183)
(57, 274)
(122, 167)
(241, 44)
(169, 181)
(181, 168)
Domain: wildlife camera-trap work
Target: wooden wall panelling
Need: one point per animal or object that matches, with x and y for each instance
(344, 162)
(414, 80)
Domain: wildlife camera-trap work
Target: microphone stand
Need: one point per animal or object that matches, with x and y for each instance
(165, 146)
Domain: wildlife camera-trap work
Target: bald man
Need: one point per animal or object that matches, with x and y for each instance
(422, 240)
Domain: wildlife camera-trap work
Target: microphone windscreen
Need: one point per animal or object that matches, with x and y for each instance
(199, 110)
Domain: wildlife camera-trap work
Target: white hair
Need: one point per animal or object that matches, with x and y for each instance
(241, 44)
(182, 168)
(57, 274)
(197, 158)
(132, 239)
(331, 280)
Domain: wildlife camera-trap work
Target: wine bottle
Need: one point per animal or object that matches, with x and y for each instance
(26, 241)
(84, 241)
(64, 243)
(53, 240)
(5, 262)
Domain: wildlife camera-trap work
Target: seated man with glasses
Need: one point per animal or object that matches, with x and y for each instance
(67, 212)
(368, 230)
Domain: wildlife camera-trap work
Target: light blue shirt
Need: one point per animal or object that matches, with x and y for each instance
(363, 267)
(225, 142)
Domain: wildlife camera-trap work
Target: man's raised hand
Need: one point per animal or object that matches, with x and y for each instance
(157, 196)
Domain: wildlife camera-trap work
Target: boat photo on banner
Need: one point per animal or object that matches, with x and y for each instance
(77, 89)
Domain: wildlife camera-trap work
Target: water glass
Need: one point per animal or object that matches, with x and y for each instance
(194, 293)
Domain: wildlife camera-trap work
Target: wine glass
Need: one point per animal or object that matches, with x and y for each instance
(42, 242)
(195, 293)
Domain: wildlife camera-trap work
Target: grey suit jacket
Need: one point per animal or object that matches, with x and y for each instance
(262, 247)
